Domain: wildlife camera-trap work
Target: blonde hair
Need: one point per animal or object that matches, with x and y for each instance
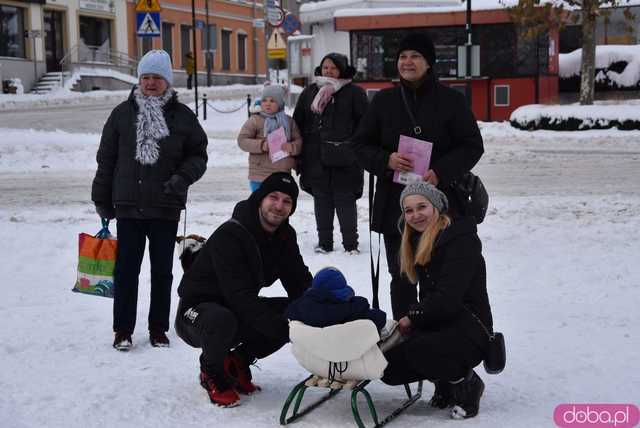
(424, 250)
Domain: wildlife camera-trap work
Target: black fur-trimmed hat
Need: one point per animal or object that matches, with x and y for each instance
(277, 182)
(419, 42)
(346, 71)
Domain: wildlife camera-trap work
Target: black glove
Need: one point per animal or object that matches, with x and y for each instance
(106, 211)
(176, 186)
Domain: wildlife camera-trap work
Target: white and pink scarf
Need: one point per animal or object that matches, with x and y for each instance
(328, 86)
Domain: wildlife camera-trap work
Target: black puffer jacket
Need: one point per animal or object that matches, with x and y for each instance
(453, 285)
(446, 121)
(238, 260)
(338, 122)
(123, 182)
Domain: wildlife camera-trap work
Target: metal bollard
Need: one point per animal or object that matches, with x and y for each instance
(204, 106)
(248, 105)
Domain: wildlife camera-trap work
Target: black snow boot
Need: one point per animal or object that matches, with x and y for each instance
(441, 398)
(466, 396)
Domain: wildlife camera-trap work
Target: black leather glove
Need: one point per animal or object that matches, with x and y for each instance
(106, 211)
(176, 186)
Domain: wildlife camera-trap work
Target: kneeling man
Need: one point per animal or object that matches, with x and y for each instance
(220, 310)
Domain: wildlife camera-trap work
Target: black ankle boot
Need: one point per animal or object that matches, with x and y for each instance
(441, 398)
(466, 396)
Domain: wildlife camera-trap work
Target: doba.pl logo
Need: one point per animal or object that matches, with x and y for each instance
(596, 415)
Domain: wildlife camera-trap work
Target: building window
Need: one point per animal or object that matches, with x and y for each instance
(242, 52)
(501, 95)
(226, 49)
(211, 46)
(167, 38)
(12, 31)
(185, 42)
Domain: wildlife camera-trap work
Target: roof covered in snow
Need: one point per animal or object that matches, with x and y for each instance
(329, 9)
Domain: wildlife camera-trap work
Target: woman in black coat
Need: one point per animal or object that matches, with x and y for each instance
(441, 116)
(328, 113)
(448, 329)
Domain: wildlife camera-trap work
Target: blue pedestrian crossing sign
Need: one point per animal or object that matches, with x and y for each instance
(148, 24)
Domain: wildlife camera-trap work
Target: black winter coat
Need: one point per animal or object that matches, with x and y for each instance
(123, 182)
(454, 284)
(446, 121)
(320, 308)
(338, 122)
(238, 260)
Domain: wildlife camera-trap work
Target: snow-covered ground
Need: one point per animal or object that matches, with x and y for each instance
(561, 241)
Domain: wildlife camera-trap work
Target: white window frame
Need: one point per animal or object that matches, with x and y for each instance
(495, 98)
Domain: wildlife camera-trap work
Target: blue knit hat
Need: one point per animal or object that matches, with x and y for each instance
(332, 280)
(156, 62)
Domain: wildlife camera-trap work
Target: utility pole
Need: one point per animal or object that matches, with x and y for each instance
(468, 50)
(208, 44)
(255, 39)
(195, 53)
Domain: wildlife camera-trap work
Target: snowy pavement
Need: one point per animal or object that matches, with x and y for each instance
(561, 242)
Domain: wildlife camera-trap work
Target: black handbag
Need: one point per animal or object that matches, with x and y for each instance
(336, 154)
(496, 357)
(473, 196)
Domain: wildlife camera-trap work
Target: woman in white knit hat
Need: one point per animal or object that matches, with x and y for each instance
(152, 149)
(448, 328)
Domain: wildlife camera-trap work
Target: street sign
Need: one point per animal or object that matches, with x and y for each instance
(276, 46)
(275, 16)
(148, 24)
(291, 23)
(33, 34)
(258, 23)
(200, 25)
(148, 6)
(277, 54)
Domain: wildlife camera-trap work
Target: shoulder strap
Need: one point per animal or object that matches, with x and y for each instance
(375, 270)
(417, 130)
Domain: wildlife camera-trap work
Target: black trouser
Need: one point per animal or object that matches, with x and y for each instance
(403, 292)
(132, 236)
(343, 202)
(435, 355)
(189, 81)
(215, 329)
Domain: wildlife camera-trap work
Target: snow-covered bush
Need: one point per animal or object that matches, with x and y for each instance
(574, 117)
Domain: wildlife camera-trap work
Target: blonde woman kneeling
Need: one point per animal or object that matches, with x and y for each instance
(445, 334)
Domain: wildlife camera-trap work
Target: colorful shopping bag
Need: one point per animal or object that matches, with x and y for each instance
(96, 262)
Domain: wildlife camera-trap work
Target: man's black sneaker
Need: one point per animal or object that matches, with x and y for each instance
(158, 339)
(122, 341)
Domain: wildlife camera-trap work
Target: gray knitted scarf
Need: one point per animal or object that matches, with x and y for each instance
(151, 126)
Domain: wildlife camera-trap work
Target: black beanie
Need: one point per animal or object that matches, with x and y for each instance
(277, 182)
(342, 63)
(418, 42)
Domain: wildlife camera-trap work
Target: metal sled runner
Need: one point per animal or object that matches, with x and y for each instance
(298, 391)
